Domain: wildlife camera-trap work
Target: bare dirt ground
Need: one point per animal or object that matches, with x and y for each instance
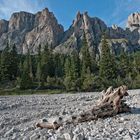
(18, 115)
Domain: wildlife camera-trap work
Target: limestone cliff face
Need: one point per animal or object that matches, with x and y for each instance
(46, 30)
(28, 30)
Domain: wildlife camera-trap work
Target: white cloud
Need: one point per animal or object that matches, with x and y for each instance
(7, 7)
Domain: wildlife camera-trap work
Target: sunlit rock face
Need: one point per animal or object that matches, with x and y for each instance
(46, 30)
(83, 24)
(133, 28)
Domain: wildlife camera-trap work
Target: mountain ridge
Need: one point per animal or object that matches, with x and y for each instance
(27, 31)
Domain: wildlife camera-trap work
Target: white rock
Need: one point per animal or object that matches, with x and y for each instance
(78, 137)
(127, 137)
(91, 138)
(122, 119)
(25, 138)
(76, 131)
(132, 131)
(34, 136)
(120, 130)
(68, 136)
(59, 138)
(11, 132)
(15, 136)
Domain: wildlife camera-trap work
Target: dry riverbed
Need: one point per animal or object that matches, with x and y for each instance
(18, 115)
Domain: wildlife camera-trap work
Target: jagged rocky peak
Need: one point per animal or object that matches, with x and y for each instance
(92, 27)
(114, 26)
(44, 17)
(21, 21)
(78, 16)
(77, 19)
(85, 22)
(133, 21)
(86, 19)
(46, 30)
(3, 26)
(82, 20)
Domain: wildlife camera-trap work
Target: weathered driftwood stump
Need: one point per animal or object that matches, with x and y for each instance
(110, 104)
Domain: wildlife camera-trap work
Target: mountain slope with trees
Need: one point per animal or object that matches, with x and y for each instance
(78, 71)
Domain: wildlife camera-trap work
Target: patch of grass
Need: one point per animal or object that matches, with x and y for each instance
(120, 40)
(29, 92)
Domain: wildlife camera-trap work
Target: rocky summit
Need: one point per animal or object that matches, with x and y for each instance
(27, 31)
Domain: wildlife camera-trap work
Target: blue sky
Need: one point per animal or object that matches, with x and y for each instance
(111, 11)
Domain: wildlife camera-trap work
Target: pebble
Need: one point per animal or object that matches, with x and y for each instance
(76, 131)
(120, 130)
(68, 136)
(122, 119)
(78, 137)
(127, 137)
(11, 132)
(34, 136)
(91, 138)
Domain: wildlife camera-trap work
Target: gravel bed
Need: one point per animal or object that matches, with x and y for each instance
(19, 114)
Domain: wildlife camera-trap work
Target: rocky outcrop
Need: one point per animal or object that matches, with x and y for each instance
(133, 29)
(133, 21)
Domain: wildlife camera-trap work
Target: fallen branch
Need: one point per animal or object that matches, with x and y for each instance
(110, 104)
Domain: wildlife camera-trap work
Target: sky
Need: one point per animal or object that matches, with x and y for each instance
(110, 11)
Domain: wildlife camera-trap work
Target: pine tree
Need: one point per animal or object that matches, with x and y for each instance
(67, 80)
(124, 66)
(13, 69)
(5, 64)
(86, 59)
(39, 70)
(75, 71)
(26, 79)
(88, 81)
(44, 61)
(75, 65)
(136, 62)
(94, 66)
(58, 65)
(50, 64)
(107, 70)
(72, 72)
